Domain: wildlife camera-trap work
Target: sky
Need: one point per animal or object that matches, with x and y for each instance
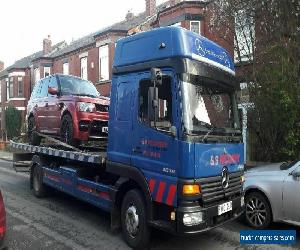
(25, 23)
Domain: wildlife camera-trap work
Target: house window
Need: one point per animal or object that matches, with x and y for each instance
(46, 71)
(244, 37)
(37, 75)
(20, 86)
(83, 66)
(11, 87)
(195, 27)
(66, 68)
(103, 63)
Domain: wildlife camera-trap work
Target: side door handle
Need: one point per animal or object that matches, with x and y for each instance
(46, 105)
(137, 150)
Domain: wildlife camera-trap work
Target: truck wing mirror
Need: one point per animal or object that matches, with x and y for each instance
(52, 91)
(152, 103)
(156, 76)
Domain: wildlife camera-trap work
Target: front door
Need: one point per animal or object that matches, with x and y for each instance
(53, 108)
(42, 106)
(154, 148)
(291, 197)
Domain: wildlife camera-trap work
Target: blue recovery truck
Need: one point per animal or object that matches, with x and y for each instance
(174, 158)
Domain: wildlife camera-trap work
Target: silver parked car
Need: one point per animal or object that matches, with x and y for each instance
(272, 193)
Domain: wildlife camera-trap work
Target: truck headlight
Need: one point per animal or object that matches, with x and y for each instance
(86, 107)
(191, 219)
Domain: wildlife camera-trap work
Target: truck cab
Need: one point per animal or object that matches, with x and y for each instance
(174, 123)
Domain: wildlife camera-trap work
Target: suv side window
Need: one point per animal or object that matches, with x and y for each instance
(53, 84)
(164, 119)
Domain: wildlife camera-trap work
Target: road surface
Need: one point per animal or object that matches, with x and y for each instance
(63, 222)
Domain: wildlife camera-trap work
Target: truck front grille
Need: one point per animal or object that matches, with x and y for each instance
(214, 193)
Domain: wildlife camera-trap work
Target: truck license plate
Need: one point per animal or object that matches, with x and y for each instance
(225, 207)
(104, 129)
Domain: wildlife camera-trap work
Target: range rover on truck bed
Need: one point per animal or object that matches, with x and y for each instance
(69, 108)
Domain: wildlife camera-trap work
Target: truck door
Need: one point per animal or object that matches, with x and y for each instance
(154, 148)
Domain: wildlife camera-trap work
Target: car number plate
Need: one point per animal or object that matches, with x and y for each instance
(104, 129)
(225, 207)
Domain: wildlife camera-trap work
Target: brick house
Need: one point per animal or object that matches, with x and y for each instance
(91, 57)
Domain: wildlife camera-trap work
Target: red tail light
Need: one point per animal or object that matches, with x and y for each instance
(2, 218)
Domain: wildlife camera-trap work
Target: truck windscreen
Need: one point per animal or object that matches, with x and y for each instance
(208, 107)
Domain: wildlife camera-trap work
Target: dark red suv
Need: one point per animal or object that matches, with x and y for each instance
(67, 107)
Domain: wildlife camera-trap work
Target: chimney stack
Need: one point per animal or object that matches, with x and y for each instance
(150, 7)
(1, 66)
(129, 15)
(47, 45)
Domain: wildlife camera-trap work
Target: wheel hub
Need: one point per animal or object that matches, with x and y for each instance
(132, 220)
(256, 212)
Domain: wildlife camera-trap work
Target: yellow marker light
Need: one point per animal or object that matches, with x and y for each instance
(191, 189)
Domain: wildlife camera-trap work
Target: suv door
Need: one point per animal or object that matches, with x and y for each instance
(53, 108)
(42, 106)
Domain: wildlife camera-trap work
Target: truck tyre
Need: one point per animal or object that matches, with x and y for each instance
(134, 221)
(258, 212)
(39, 189)
(67, 131)
(33, 138)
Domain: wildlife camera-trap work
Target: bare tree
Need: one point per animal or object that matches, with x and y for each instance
(266, 44)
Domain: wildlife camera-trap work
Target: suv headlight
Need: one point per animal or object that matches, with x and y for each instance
(86, 107)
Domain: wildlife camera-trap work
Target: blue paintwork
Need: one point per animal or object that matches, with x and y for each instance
(65, 179)
(179, 42)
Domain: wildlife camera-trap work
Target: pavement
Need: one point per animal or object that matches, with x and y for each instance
(6, 156)
(60, 221)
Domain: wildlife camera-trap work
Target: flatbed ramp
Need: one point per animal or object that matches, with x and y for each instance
(81, 156)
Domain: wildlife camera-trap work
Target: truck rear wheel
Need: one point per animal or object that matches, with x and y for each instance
(133, 219)
(38, 187)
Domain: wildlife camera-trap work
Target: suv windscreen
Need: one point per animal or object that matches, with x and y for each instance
(76, 86)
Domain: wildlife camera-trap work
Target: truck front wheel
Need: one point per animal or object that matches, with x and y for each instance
(134, 221)
(38, 187)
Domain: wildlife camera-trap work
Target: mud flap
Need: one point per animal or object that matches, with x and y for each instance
(115, 220)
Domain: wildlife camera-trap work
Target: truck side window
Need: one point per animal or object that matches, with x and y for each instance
(164, 119)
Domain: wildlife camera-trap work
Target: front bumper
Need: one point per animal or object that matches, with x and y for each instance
(88, 126)
(210, 217)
